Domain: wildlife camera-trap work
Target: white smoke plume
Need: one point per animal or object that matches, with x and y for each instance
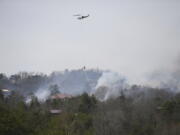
(28, 100)
(169, 78)
(110, 85)
(42, 94)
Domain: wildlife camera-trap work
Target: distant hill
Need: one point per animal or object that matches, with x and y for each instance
(68, 81)
(76, 81)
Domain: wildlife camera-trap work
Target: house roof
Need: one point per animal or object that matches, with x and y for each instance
(5, 90)
(55, 111)
(61, 96)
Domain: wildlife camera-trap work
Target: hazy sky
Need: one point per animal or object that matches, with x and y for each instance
(132, 37)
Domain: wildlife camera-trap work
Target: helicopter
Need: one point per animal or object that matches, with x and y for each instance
(80, 17)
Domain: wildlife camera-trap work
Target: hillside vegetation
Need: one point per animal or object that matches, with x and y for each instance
(132, 110)
(157, 113)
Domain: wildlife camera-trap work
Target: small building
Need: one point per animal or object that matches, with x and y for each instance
(55, 111)
(5, 92)
(61, 96)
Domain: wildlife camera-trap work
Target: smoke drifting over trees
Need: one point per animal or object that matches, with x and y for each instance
(72, 82)
(102, 84)
(166, 78)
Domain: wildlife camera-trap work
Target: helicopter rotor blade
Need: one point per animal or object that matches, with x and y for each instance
(77, 15)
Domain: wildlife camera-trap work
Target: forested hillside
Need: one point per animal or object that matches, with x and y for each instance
(148, 112)
(68, 81)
